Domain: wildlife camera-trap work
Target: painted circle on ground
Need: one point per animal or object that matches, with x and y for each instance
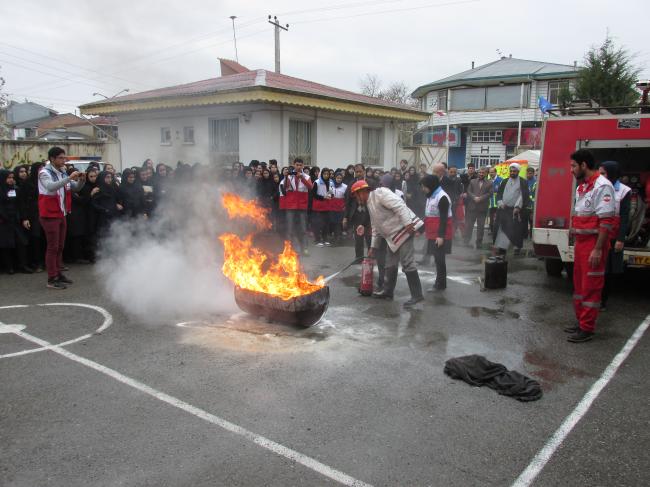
(108, 321)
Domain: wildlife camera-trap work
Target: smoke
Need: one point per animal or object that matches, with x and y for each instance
(169, 266)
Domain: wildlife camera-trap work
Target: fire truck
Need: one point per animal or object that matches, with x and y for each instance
(610, 137)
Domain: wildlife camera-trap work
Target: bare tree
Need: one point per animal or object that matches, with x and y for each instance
(397, 92)
(371, 85)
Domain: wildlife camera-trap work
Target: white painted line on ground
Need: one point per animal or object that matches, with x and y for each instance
(541, 459)
(108, 321)
(460, 279)
(270, 445)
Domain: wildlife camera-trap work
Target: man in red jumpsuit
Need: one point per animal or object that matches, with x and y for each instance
(592, 224)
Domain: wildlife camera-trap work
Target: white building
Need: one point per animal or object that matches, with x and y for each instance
(256, 114)
(491, 110)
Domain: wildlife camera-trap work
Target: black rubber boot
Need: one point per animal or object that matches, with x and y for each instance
(415, 286)
(389, 284)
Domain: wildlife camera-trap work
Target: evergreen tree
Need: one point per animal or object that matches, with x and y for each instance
(608, 76)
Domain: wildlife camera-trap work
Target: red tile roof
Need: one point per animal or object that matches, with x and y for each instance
(253, 79)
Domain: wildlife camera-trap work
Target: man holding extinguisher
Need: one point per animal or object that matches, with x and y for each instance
(391, 219)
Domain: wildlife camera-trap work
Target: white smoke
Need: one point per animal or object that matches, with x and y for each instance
(169, 267)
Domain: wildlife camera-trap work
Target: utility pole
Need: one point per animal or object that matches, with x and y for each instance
(234, 36)
(277, 25)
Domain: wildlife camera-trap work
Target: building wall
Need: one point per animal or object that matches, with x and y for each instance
(23, 112)
(15, 152)
(263, 135)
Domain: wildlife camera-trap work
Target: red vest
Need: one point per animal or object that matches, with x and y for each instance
(321, 205)
(297, 194)
(432, 216)
(49, 206)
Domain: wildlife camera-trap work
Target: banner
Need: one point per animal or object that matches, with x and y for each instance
(437, 137)
(531, 137)
(503, 169)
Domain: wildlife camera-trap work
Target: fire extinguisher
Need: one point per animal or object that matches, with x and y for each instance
(367, 276)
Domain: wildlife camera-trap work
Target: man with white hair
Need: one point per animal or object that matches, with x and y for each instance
(512, 212)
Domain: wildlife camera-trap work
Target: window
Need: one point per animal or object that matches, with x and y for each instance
(442, 101)
(371, 146)
(166, 136)
(487, 136)
(554, 90)
(188, 135)
(468, 99)
(483, 161)
(506, 96)
(300, 141)
(224, 139)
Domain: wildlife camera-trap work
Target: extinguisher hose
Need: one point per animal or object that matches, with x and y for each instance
(355, 261)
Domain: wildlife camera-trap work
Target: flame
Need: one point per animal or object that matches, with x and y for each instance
(238, 207)
(250, 268)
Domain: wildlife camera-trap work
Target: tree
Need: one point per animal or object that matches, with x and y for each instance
(4, 128)
(397, 92)
(608, 76)
(370, 85)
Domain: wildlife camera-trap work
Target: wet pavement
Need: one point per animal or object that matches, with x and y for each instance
(362, 393)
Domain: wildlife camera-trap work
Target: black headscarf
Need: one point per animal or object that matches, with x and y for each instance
(4, 187)
(19, 182)
(612, 169)
(431, 182)
(101, 183)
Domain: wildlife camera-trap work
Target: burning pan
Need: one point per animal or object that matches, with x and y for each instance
(301, 311)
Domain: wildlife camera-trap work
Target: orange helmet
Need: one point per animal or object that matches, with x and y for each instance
(359, 185)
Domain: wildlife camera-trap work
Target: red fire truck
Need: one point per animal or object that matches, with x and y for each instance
(621, 138)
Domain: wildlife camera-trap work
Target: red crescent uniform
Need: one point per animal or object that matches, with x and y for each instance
(594, 210)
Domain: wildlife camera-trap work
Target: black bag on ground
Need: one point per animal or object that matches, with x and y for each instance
(478, 371)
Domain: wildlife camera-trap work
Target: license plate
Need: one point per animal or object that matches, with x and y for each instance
(639, 260)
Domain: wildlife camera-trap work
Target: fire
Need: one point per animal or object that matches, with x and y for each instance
(250, 268)
(238, 207)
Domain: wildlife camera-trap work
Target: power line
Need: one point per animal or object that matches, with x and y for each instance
(61, 61)
(45, 73)
(379, 12)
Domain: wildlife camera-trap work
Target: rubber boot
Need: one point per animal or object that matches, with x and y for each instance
(389, 284)
(415, 286)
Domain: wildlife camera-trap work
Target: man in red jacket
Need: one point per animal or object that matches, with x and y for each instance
(592, 224)
(54, 203)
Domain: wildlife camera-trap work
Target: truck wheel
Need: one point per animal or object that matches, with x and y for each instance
(554, 267)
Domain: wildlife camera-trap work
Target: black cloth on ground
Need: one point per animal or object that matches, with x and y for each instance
(478, 371)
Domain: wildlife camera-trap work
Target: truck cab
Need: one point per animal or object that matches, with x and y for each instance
(621, 138)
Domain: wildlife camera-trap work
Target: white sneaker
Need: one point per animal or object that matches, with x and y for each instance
(327, 244)
(320, 244)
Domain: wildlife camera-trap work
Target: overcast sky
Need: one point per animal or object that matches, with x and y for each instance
(59, 54)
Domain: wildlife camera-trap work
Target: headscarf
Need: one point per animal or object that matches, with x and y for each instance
(16, 171)
(387, 181)
(431, 182)
(103, 187)
(613, 170)
(4, 187)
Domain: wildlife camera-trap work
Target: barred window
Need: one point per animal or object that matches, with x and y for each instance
(487, 135)
(224, 139)
(300, 141)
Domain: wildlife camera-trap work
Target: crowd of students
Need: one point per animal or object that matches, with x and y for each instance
(104, 197)
(308, 205)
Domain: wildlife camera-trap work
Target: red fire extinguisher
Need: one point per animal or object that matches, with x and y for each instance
(367, 276)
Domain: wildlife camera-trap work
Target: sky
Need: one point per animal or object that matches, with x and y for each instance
(60, 54)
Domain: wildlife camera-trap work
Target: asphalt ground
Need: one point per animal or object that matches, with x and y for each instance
(360, 397)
